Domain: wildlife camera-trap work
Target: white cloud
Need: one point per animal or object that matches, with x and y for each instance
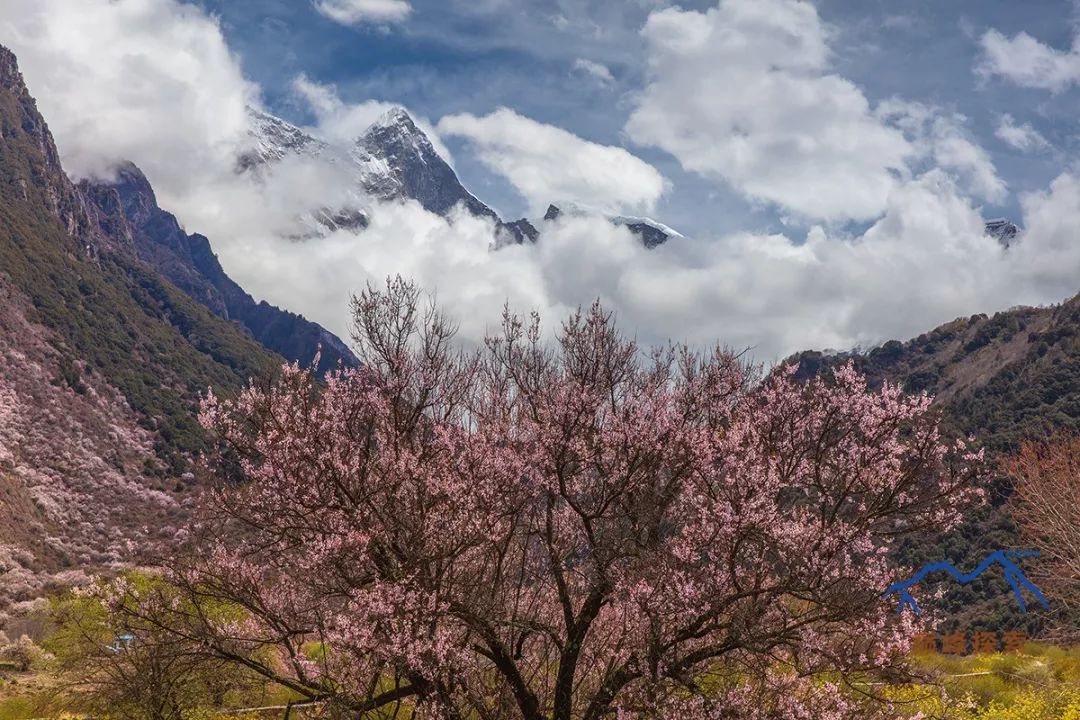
(925, 262)
(1021, 137)
(954, 150)
(343, 122)
(943, 141)
(147, 80)
(1027, 62)
(597, 71)
(548, 164)
(356, 12)
(1047, 258)
(743, 93)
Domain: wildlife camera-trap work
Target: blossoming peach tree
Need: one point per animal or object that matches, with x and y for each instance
(561, 527)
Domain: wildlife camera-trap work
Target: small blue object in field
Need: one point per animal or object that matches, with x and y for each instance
(122, 642)
(1013, 575)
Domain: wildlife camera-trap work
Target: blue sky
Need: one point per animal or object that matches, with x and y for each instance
(451, 57)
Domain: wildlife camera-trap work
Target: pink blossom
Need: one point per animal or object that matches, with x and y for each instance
(569, 531)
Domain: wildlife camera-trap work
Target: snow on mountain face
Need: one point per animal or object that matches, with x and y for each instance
(275, 139)
(399, 161)
(394, 160)
(1002, 230)
(649, 231)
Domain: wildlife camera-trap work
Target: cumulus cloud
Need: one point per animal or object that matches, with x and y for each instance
(357, 12)
(1047, 259)
(955, 151)
(548, 164)
(942, 140)
(1023, 137)
(1028, 62)
(146, 80)
(597, 71)
(926, 261)
(743, 93)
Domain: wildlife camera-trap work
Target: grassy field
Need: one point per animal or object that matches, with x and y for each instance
(39, 695)
(1041, 683)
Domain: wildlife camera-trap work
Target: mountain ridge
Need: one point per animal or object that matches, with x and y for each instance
(1002, 379)
(105, 362)
(188, 261)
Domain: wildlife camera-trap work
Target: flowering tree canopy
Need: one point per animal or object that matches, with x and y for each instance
(563, 529)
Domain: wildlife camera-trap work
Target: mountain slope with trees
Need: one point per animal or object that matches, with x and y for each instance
(1002, 378)
(188, 261)
(105, 361)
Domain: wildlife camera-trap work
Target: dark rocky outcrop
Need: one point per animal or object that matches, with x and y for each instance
(188, 261)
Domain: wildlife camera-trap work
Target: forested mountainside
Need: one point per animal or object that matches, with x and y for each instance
(188, 261)
(1006, 377)
(1003, 378)
(104, 363)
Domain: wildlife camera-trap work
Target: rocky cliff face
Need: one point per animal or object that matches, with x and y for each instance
(32, 174)
(189, 262)
(398, 161)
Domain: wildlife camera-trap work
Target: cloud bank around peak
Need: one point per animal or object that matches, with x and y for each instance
(926, 261)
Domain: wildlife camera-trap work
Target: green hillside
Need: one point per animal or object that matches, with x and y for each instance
(1003, 379)
(113, 315)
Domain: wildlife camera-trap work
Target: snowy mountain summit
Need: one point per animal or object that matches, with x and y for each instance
(275, 139)
(398, 160)
(392, 160)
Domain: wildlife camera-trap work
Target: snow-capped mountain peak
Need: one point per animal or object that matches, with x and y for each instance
(651, 232)
(398, 160)
(395, 160)
(392, 160)
(274, 139)
(395, 117)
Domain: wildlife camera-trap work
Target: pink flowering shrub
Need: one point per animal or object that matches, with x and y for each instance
(73, 493)
(569, 530)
